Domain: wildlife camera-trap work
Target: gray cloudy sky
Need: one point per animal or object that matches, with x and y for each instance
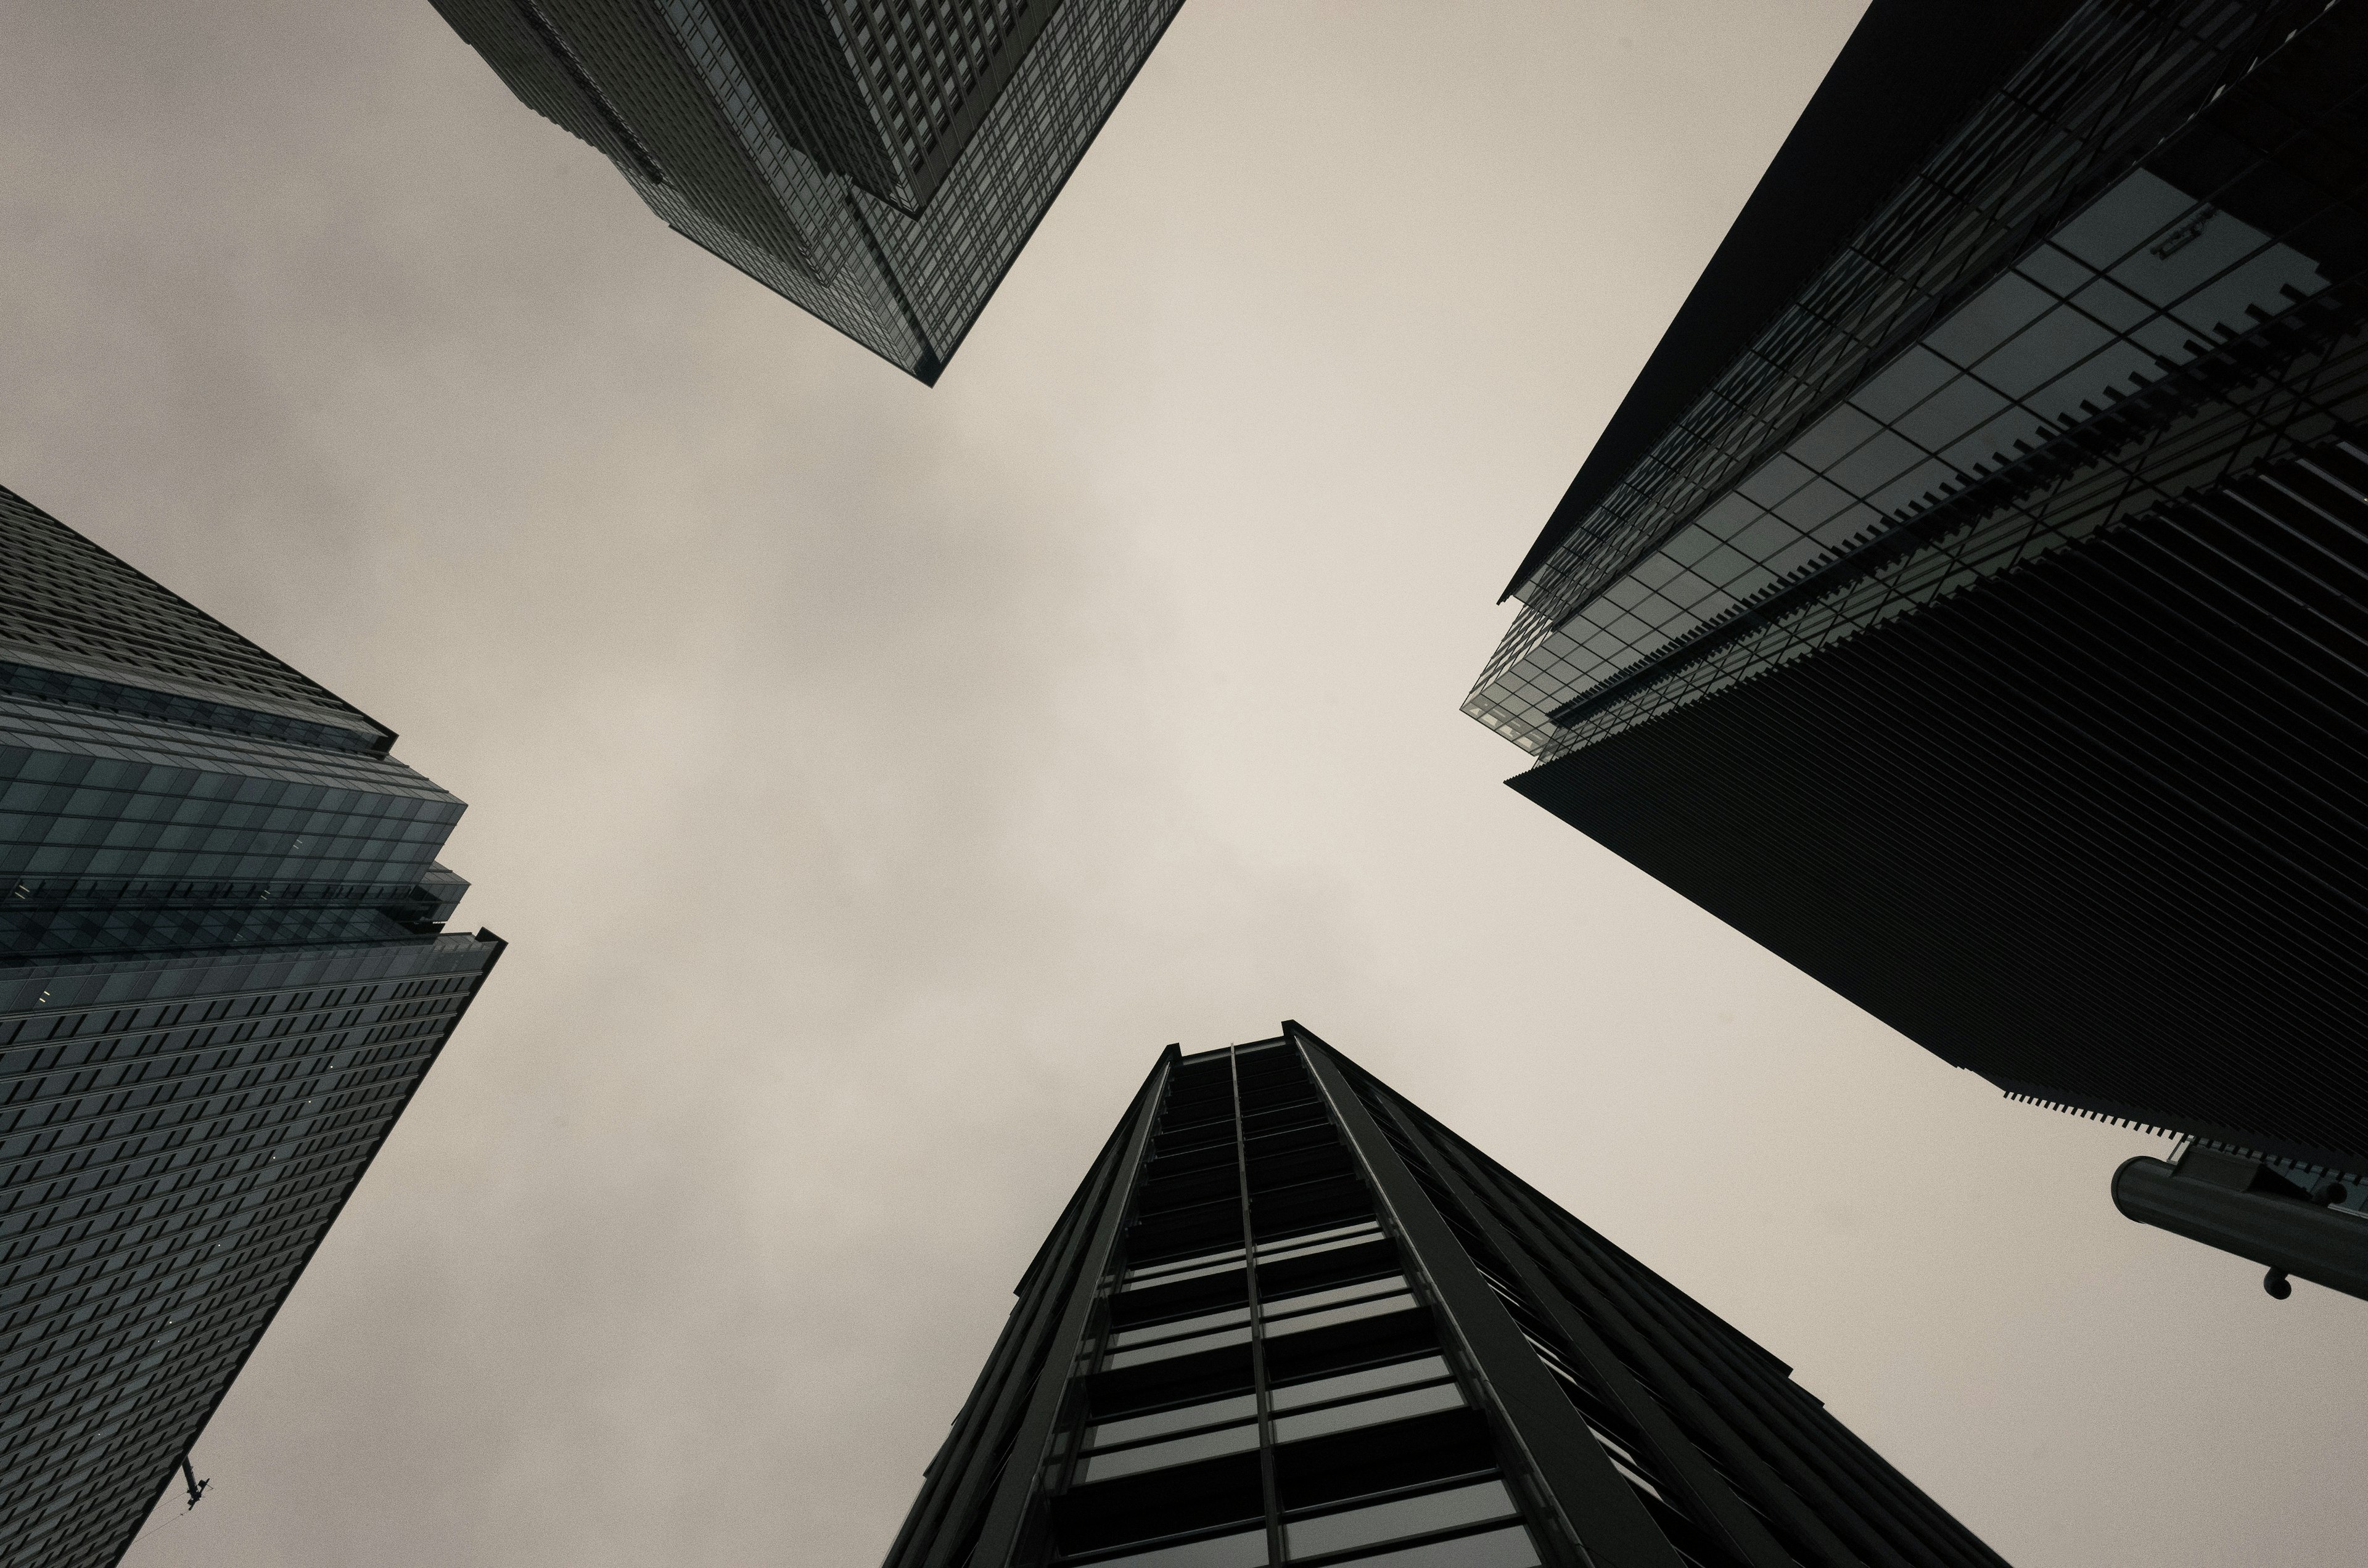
(871, 779)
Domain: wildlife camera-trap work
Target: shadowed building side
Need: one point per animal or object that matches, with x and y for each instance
(1985, 634)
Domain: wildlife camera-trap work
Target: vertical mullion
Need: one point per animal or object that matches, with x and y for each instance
(1257, 1319)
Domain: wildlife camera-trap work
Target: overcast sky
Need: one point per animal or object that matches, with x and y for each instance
(871, 779)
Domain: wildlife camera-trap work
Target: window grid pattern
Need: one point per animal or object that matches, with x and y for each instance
(2135, 288)
(733, 167)
(222, 973)
(920, 61)
(2317, 394)
(119, 836)
(809, 196)
(1266, 1384)
(71, 609)
(2071, 118)
(167, 1166)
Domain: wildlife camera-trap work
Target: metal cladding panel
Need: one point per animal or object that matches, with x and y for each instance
(2095, 827)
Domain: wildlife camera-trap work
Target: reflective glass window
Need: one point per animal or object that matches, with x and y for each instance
(1368, 1412)
(1277, 1327)
(1401, 1517)
(1246, 1550)
(1176, 1450)
(1127, 1429)
(1372, 1379)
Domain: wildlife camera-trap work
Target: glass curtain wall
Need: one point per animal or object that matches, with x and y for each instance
(1269, 1386)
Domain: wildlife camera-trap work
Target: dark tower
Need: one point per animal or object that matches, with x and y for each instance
(1289, 1318)
(880, 164)
(1970, 599)
(223, 972)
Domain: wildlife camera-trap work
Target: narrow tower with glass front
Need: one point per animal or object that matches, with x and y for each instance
(1289, 1318)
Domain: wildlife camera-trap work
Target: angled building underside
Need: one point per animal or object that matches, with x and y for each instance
(1970, 600)
(222, 973)
(1289, 1318)
(878, 163)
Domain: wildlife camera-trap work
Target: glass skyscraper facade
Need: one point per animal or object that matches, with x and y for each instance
(1966, 602)
(1289, 1318)
(223, 972)
(878, 163)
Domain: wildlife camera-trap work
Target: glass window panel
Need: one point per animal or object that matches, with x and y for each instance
(1990, 318)
(1506, 1547)
(1177, 1450)
(1187, 1347)
(2165, 335)
(1246, 1550)
(1833, 437)
(1722, 566)
(1318, 1241)
(1685, 589)
(1193, 1325)
(1964, 405)
(1628, 627)
(2133, 214)
(1148, 1280)
(1774, 480)
(1277, 1327)
(1368, 1412)
(1766, 537)
(1799, 553)
(1902, 384)
(1397, 1519)
(1691, 545)
(1845, 525)
(1909, 487)
(1655, 570)
(1994, 443)
(2222, 301)
(2053, 344)
(2113, 304)
(1176, 1269)
(2052, 270)
(1812, 504)
(1129, 1428)
(1358, 1291)
(1372, 1379)
(1725, 518)
(1750, 581)
(1625, 593)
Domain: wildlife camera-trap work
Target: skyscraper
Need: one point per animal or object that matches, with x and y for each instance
(222, 973)
(879, 163)
(1288, 1317)
(1967, 601)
